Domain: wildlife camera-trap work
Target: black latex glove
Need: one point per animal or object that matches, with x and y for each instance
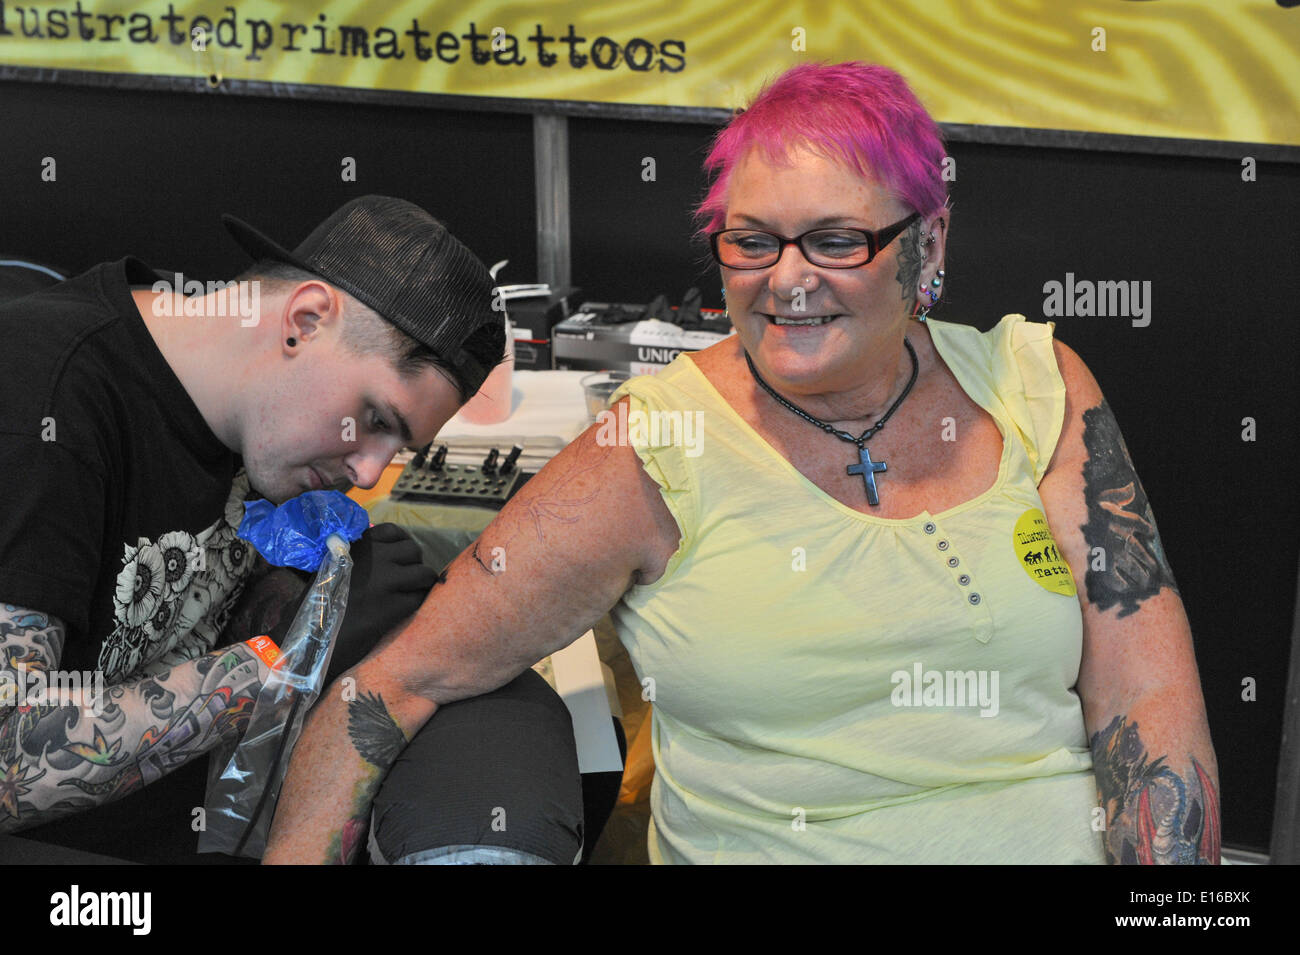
(389, 583)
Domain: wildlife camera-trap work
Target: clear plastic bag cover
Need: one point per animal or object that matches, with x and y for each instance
(243, 788)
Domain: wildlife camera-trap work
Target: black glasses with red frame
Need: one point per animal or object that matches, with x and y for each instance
(826, 248)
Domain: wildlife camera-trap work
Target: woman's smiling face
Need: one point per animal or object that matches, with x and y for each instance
(867, 305)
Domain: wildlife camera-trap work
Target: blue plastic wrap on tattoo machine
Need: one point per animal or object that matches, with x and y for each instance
(294, 534)
(311, 532)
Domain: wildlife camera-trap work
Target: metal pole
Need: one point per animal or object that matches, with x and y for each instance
(551, 168)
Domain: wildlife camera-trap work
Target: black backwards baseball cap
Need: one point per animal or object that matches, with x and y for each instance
(403, 263)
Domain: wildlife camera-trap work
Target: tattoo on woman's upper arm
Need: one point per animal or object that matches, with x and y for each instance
(1132, 565)
(559, 504)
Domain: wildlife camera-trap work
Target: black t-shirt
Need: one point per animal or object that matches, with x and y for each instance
(118, 510)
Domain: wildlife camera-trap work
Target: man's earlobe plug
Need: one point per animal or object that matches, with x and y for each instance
(292, 342)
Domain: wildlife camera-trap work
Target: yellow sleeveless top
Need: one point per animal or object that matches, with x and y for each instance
(830, 686)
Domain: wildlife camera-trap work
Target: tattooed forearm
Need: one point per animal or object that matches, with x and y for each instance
(347, 747)
(373, 732)
(1153, 815)
(910, 260)
(1120, 522)
(58, 757)
(379, 741)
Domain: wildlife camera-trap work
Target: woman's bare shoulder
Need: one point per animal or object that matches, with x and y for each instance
(719, 364)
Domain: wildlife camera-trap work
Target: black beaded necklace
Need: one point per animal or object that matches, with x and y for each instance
(865, 466)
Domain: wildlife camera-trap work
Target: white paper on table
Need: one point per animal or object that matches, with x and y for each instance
(581, 684)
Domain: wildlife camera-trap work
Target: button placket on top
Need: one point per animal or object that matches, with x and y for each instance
(945, 551)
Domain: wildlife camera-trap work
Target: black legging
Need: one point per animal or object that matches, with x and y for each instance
(491, 779)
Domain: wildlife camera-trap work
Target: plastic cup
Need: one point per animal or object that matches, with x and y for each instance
(598, 387)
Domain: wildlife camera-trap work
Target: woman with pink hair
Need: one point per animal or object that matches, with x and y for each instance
(904, 601)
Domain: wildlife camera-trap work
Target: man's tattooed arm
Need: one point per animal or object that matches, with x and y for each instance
(67, 742)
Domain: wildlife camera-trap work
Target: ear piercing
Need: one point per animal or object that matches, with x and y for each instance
(936, 282)
(931, 292)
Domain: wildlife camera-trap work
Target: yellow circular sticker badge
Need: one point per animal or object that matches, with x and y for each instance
(1037, 551)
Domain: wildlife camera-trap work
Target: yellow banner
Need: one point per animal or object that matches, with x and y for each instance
(1201, 69)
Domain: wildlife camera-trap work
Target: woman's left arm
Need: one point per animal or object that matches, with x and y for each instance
(1157, 777)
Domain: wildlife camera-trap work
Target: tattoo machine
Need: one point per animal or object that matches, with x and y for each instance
(313, 531)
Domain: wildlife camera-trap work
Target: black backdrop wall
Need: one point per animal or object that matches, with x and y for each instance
(149, 173)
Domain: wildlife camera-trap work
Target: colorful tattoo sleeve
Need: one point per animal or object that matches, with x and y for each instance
(58, 756)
